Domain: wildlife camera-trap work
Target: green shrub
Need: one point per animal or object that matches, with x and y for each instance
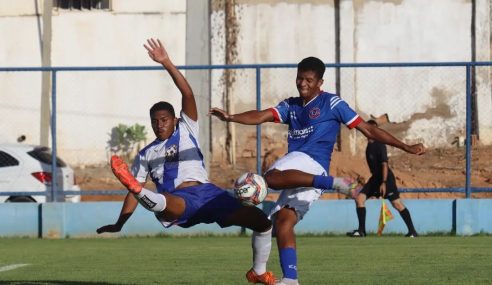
(126, 140)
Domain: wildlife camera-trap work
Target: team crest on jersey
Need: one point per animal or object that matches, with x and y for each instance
(314, 113)
(171, 151)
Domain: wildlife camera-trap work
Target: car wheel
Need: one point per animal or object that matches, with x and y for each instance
(17, 199)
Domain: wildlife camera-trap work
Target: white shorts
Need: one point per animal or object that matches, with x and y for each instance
(301, 198)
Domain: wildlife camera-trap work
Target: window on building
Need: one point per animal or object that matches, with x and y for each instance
(82, 4)
(7, 160)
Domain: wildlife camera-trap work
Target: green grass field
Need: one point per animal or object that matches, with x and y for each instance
(225, 260)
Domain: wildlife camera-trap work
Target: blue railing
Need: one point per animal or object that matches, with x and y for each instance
(119, 192)
(467, 189)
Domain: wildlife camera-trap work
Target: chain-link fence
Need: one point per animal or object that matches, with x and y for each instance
(101, 111)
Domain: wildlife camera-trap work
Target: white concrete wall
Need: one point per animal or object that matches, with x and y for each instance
(425, 104)
(90, 103)
(483, 74)
(148, 6)
(408, 31)
(20, 7)
(20, 93)
(270, 32)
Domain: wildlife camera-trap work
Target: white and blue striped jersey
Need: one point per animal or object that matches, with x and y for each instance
(173, 161)
(313, 127)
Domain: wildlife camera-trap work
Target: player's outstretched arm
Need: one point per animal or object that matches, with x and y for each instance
(158, 53)
(252, 117)
(129, 206)
(380, 135)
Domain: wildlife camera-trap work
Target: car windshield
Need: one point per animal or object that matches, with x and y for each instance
(43, 154)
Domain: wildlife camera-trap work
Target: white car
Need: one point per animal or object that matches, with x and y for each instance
(27, 168)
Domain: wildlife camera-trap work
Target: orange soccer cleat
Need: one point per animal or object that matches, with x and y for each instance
(266, 278)
(120, 170)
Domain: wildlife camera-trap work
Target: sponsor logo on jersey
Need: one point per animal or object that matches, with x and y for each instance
(314, 113)
(300, 134)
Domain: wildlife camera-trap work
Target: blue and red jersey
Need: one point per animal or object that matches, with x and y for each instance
(313, 128)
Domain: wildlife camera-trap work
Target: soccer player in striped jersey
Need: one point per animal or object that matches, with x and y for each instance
(314, 119)
(174, 162)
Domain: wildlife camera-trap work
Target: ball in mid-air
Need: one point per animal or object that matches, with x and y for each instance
(250, 188)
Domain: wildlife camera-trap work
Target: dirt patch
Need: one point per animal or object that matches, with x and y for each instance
(438, 168)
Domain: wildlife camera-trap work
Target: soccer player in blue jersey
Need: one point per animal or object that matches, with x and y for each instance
(314, 119)
(175, 165)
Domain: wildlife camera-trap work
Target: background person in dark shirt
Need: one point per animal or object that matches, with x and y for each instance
(381, 184)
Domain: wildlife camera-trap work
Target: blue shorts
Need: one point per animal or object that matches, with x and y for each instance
(205, 203)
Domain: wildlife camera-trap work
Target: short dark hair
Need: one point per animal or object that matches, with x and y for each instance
(312, 64)
(372, 122)
(162, 106)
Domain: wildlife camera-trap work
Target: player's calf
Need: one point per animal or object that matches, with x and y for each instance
(151, 201)
(148, 199)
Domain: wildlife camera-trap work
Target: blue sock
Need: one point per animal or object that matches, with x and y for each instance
(323, 182)
(288, 262)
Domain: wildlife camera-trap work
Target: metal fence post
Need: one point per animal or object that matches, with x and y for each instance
(468, 131)
(54, 175)
(258, 127)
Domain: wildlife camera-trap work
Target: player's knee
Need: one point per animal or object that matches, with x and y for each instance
(263, 226)
(360, 200)
(397, 204)
(285, 218)
(256, 220)
(261, 222)
(271, 178)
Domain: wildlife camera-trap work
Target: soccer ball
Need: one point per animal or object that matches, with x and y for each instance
(250, 188)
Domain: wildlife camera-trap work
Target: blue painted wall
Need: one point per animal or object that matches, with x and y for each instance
(339, 217)
(473, 216)
(82, 220)
(60, 220)
(19, 219)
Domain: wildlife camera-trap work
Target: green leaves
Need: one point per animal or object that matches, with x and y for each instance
(126, 140)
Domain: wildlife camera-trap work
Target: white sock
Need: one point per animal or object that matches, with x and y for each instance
(343, 185)
(262, 244)
(151, 201)
(288, 281)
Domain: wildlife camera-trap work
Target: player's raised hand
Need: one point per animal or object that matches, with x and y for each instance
(109, 229)
(156, 50)
(219, 113)
(418, 149)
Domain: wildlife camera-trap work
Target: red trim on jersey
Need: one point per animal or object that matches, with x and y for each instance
(276, 115)
(355, 123)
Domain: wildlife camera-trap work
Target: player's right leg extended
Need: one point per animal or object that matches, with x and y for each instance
(151, 201)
